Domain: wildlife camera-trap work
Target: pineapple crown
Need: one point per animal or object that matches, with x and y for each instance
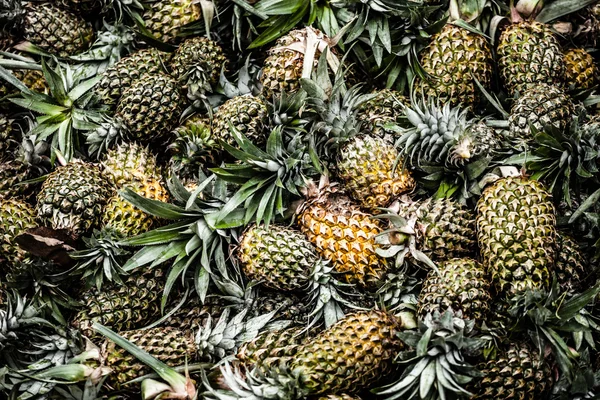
(438, 350)
(192, 147)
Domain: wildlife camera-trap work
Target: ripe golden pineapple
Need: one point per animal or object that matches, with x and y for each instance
(461, 285)
(529, 54)
(342, 233)
(73, 197)
(366, 165)
(516, 230)
(16, 216)
(581, 71)
(453, 60)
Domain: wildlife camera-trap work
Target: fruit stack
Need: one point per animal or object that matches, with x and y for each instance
(273, 199)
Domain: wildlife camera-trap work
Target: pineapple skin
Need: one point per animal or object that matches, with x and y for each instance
(118, 78)
(516, 230)
(73, 197)
(150, 108)
(346, 236)
(581, 70)
(462, 285)
(366, 166)
(248, 114)
(16, 216)
(270, 347)
(452, 56)
(571, 265)
(279, 257)
(529, 54)
(130, 163)
(384, 108)
(56, 30)
(166, 18)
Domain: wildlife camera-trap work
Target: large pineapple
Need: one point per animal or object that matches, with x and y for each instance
(73, 197)
(342, 233)
(460, 284)
(248, 114)
(166, 18)
(131, 305)
(529, 54)
(16, 216)
(454, 59)
(367, 166)
(118, 78)
(516, 230)
(519, 372)
(197, 65)
(581, 70)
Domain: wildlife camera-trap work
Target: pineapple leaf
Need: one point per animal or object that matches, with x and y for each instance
(155, 207)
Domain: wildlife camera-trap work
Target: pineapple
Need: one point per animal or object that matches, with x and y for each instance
(16, 216)
(571, 266)
(289, 306)
(581, 71)
(166, 18)
(519, 372)
(54, 29)
(539, 106)
(8, 142)
(342, 396)
(284, 65)
(126, 219)
(342, 233)
(454, 59)
(27, 162)
(130, 162)
(366, 165)
(73, 197)
(118, 78)
(516, 231)
(193, 148)
(132, 305)
(384, 108)
(32, 78)
(197, 65)
(528, 55)
(248, 114)
(460, 284)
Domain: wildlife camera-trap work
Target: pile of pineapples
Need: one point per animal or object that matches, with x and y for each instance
(273, 199)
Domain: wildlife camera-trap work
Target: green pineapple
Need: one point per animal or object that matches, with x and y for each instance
(248, 114)
(516, 231)
(73, 197)
(197, 65)
(454, 59)
(528, 55)
(27, 162)
(118, 78)
(571, 267)
(460, 284)
(16, 216)
(193, 148)
(384, 108)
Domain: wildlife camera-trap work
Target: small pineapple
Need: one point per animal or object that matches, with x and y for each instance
(118, 78)
(166, 18)
(27, 162)
(73, 197)
(516, 230)
(16, 216)
(454, 59)
(130, 162)
(366, 165)
(193, 148)
(248, 114)
(384, 108)
(581, 70)
(462, 285)
(342, 233)
(529, 54)
(8, 139)
(538, 106)
(571, 267)
(197, 65)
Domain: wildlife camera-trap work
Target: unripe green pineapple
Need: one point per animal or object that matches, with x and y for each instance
(73, 197)
(132, 305)
(454, 59)
(197, 64)
(529, 54)
(367, 166)
(516, 230)
(571, 266)
(538, 106)
(150, 108)
(193, 148)
(16, 216)
(581, 70)
(385, 108)
(128, 220)
(166, 18)
(461, 285)
(56, 30)
(130, 162)
(519, 372)
(247, 114)
(118, 78)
